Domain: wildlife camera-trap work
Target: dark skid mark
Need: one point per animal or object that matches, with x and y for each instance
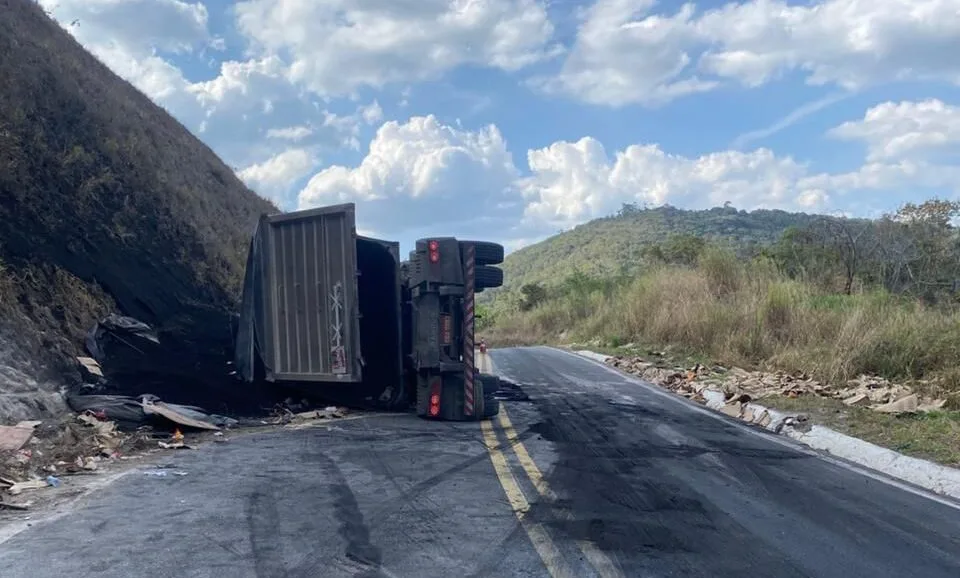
(614, 502)
(408, 496)
(636, 409)
(510, 391)
(498, 552)
(352, 527)
(263, 521)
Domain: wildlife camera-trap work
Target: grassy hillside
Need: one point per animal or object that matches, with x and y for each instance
(106, 203)
(614, 245)
(833, 299)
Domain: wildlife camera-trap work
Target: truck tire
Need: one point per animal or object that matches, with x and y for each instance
(488, 277)
(491, 407)
(491, 383)
(485, 253)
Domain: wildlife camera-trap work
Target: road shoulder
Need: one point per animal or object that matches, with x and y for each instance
(924, 474)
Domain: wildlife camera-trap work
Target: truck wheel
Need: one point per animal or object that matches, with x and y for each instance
(485, 253)
(491, 383)
(488, 277)
(491, 407)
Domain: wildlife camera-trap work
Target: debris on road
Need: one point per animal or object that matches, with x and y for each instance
(90, 370)
(182, 415)
(74, 445)
(12, 438)
(740, 386)
(20, 487)
(307, 419)
(164, 473)
(325, 413)
(14, 505)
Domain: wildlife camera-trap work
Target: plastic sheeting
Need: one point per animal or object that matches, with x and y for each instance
(122, 332)
(250, 325)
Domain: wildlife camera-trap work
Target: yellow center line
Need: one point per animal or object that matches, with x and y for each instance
(603, 564)
(542, 543)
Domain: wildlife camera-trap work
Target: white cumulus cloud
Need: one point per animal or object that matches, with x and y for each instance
(338, 46)
(638, 51)
(572, 182)
(293, 133)
(169, 25)
(277, 175)
(896, 130)
(419, 172)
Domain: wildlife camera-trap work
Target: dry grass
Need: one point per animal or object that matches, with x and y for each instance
(108, 203)
(749, 315)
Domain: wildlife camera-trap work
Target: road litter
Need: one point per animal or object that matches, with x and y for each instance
(14, 506)
(864, 391)
(308, 419)
(164, 473)
(130, 413)
(177, 414)
(176, 442)
(90, 369)
(325, 413)
(174, 446)
(73, 445)
(20, 487)
(12, 438)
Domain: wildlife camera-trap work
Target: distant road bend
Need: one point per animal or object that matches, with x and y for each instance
(596, 474)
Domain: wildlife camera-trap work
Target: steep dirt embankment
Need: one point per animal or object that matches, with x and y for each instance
(106, 204)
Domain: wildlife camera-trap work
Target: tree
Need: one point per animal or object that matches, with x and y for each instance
(533, 294)
(852, 241)
(918, 250)
(684, 249)
(826, 249)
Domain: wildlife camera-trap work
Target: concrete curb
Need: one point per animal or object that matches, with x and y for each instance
(939, 479)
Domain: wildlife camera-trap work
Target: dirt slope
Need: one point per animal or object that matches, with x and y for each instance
(106, 204)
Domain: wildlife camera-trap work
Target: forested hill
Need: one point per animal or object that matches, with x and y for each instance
(614, 245)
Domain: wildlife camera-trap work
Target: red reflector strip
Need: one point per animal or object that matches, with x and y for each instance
(469, 278)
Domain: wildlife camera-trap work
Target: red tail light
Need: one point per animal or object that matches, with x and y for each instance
(435, 397)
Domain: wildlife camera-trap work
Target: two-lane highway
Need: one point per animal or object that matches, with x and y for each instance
(666, 488)
(586, 472)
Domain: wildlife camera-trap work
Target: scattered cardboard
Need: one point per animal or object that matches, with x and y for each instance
(162, 409)
(12, 438)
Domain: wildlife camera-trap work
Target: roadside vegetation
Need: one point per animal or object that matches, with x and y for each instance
(832, 299)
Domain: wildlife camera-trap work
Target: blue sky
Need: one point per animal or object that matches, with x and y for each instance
(513, 119)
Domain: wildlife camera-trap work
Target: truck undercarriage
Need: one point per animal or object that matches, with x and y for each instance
(338, 315)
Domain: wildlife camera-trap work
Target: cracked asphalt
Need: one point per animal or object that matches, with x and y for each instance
(594, 475)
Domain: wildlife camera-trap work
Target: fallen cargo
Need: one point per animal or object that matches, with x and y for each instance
(338, 314)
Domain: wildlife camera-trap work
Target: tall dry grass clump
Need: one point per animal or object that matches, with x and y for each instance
(747, 313)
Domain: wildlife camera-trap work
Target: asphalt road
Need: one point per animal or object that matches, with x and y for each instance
(593, 475)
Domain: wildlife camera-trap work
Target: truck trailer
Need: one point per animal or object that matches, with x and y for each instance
(341, 316)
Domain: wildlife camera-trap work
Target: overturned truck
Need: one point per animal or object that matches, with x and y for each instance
(341, 315)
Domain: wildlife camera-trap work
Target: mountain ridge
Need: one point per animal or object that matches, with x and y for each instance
(613, 245)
